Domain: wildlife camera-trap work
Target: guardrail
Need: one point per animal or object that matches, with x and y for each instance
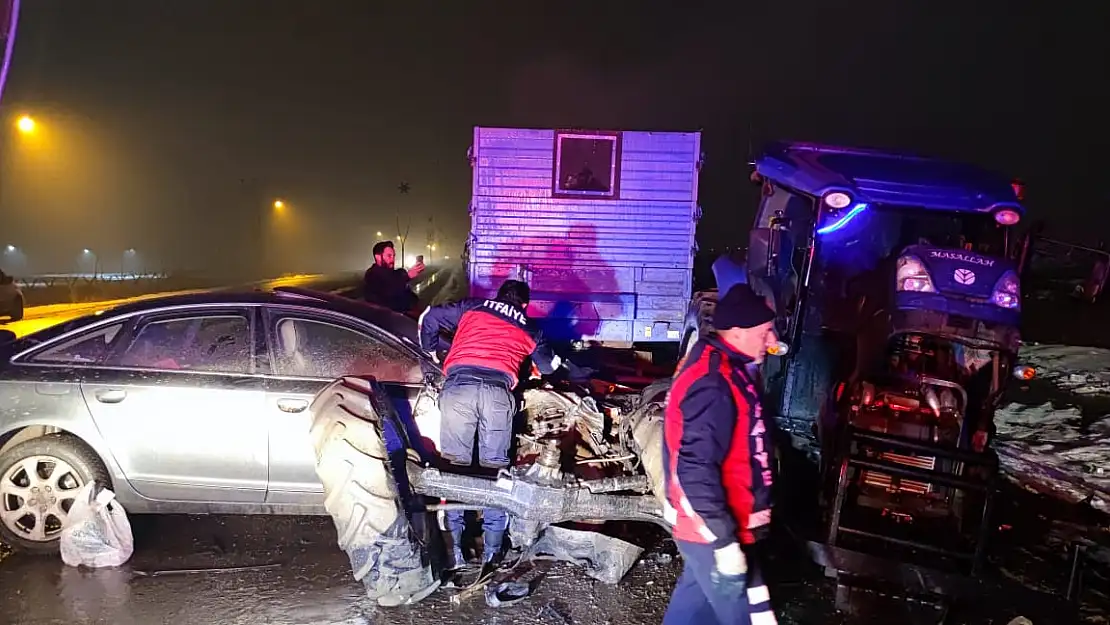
(65, 279)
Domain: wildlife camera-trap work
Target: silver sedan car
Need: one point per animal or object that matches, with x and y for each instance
(186, 404)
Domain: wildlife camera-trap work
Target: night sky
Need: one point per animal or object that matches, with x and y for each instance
(168, 120)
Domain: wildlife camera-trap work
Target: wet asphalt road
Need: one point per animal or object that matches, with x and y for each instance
(186, 571)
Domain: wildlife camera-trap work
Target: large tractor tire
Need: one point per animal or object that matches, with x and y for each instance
(362, 495)
(706, 305)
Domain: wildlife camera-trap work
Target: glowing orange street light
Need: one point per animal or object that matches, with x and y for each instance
(278, 205)
(25, 124)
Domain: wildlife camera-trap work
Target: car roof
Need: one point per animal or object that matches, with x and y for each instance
(882, 177)
(387, 320)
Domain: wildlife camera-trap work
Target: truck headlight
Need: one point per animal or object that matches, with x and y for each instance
(913, 276)
(1007, 291)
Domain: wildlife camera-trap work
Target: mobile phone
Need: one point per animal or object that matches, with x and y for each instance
(420, 258)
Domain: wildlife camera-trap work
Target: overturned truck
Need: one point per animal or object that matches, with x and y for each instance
(576, 460)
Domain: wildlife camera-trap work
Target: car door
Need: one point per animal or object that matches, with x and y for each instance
(180, 405)
(308, 350)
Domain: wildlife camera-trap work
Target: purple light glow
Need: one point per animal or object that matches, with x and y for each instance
(13, 20)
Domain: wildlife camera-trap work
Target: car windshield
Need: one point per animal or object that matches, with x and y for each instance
(901, 227)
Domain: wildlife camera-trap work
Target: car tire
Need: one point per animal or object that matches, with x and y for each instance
(361, 494)
(86, 465)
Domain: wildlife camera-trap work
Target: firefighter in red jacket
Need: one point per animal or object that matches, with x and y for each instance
(718, 479)
(492, 340)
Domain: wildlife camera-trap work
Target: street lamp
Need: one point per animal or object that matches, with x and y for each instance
(128, 258)
(10, 248)
(86, 255)
(25, 124)
(379, 234)
(278, 205)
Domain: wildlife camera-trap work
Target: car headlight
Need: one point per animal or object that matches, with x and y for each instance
(1007, 291)
(913, 276)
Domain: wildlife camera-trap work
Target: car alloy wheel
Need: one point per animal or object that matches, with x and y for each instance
(36, 494)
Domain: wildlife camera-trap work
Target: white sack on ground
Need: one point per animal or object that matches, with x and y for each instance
(97, 532)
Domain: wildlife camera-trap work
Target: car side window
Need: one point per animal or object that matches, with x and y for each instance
(317, 349)
(88, 348)
(213, 344)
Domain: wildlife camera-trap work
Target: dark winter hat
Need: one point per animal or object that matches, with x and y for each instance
(514, 292)
(741, 307)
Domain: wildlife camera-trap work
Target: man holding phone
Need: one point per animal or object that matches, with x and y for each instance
(387, 286)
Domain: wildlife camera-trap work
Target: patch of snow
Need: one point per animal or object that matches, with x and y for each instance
(1079, 370)
(1051, 451)
(1052, 448)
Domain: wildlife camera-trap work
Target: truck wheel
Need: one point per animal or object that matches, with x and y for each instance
(361, 494)
(38, 481)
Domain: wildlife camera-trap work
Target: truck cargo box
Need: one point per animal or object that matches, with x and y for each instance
(601, 223)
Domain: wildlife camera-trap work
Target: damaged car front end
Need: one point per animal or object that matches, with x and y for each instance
(575, 462)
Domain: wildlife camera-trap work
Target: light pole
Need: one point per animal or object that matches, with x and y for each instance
(128, 255)
(87, 254)
(24, 125)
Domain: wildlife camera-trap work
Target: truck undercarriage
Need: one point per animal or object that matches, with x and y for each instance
(575, 462)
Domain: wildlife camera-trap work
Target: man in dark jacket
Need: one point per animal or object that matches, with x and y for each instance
(385, 286)
(492, 340)
(718, 480)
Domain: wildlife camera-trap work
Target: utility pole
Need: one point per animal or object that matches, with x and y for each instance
(431, 237)
(403, 189)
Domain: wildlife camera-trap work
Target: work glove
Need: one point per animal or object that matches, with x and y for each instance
(729, 574)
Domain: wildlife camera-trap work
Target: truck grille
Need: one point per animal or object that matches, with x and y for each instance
(886, 482)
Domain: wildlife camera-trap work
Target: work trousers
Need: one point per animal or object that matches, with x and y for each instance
(704, 597)
(472, 405)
